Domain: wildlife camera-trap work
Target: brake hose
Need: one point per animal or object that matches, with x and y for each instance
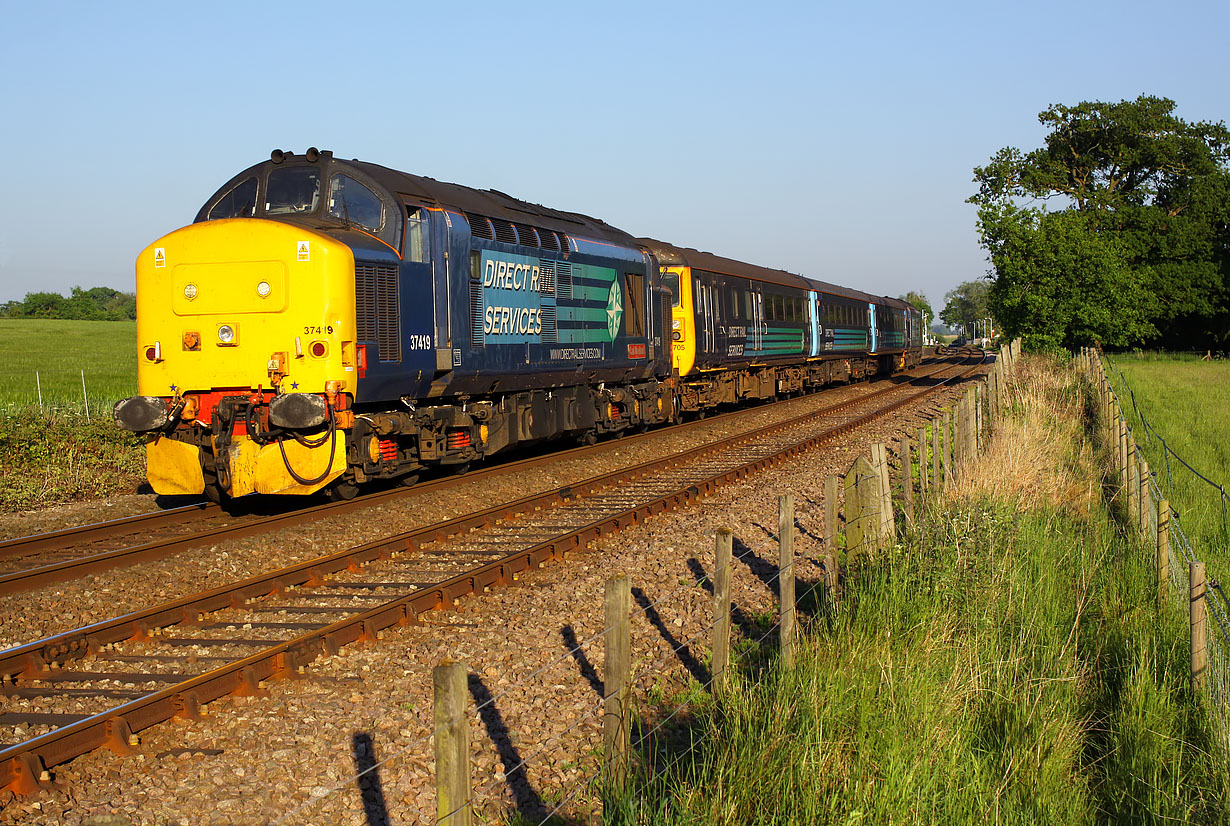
(332, 435)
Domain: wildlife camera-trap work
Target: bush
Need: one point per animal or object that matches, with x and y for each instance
(50, 458)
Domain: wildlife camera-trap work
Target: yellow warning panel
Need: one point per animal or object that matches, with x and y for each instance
(174, 468)
(241, 456)
(272, 475)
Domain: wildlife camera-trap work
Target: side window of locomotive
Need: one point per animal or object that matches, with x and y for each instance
(354, 203)
(240, 202)
(670, 280)
(416, 228)
(292, 190)
(634, 304)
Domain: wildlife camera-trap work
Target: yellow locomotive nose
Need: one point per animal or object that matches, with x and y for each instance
(240, 308)
(239, 291)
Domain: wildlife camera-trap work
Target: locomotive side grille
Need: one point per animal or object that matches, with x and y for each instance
(504, 231)
(548, 239)
(527, 235)
(512, 232)
(378, 309)
(480, 227)
(476, 315)
(563, 279)
(547, 315)
(546, 277)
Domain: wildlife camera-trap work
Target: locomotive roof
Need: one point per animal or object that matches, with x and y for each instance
(491, 203)
(671, 254)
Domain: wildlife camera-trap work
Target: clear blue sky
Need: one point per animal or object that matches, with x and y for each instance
(833, 139)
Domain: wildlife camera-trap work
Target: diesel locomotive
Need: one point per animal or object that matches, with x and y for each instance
(323, 323)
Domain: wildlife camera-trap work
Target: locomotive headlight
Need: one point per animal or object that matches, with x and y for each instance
(263, 289)
(226, 334)
(190, 291)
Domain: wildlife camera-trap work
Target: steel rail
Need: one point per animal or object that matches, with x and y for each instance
(24, 767)
(70, 569)
(112, 528)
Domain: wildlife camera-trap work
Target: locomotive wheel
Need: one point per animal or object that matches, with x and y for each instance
(343, 492)
(588, 438)
(213, 491)
(409, 480)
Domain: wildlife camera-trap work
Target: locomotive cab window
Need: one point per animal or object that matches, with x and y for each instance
(355, 203)
(292, 190)
(670, 280)
(240, 202)
(416, 224)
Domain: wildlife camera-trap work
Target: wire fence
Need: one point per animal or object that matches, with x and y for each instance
(1214, 676)
(1153, 436)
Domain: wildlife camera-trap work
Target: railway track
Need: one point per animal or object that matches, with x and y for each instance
(59, 556)
(99, 685)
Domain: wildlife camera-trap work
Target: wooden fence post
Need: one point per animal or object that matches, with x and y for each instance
(452, 744)
(888, 524)
(1143, 498)
(947, 448)
(721, 608)
(785, 577)
(862, 502)
(971, 419)
(907, 482)
(1133, 483)
(617, 678)
(1199, 628)
(1123, 456)
(922, 464)
(935, 455)
(1163, 552)
(832, 569)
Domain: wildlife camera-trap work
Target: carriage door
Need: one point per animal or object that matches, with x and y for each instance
(708, 313)
(871, 317)
(757, 320)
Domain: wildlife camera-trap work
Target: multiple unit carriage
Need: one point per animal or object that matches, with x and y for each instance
(327, 322)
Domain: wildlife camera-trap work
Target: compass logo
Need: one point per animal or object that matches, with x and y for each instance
(614, 309)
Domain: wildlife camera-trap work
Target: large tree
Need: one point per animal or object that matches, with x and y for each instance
(1114, 232)
(966, 304)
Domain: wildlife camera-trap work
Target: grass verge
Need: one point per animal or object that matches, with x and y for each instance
(1004, 663)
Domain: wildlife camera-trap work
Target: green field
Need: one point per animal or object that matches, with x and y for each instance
(54, 353)
(1186, 402)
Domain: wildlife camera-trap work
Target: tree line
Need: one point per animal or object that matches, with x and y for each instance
(1116, 232)
(96, 304)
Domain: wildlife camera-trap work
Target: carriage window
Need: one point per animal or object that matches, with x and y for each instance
(240, 202)
(353, 202)
(292, 190)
